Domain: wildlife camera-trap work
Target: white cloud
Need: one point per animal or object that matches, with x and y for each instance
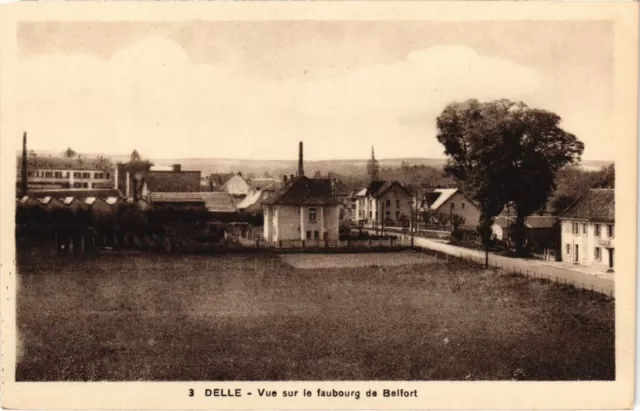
(152, 97)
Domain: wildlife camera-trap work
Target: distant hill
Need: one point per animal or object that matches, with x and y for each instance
(277, 168)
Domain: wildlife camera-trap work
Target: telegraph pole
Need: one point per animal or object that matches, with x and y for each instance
(24, 183)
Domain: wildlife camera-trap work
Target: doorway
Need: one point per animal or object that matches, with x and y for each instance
(611, 259)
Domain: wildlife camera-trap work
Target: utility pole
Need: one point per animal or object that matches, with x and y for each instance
(25, 175)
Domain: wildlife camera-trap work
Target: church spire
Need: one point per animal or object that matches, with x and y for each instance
(373, 167)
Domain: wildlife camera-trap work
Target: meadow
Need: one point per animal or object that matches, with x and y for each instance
(154, 317)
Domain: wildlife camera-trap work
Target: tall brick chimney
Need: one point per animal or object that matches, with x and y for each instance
(300, 161)
(24, 183)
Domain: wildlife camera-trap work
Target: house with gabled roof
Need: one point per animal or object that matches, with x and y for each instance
(305, 209)
(588, 229)
(383, 201)
(449, 202)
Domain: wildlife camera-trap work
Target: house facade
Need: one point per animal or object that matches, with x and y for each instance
(387, 202)
(448, 202)
(237, 186)
(588, 230)
(306, 210)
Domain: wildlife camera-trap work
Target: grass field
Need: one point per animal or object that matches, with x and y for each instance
(255, 317)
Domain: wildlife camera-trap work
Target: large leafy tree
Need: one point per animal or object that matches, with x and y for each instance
(504, 151)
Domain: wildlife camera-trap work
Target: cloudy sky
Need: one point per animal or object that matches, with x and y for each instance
(254, 89)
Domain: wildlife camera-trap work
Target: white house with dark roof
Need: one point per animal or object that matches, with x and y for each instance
(588, 229)
(305, 209)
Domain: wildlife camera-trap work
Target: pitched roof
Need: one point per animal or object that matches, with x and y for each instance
(444, 195)
(219, 202)
(377, 188)
(220, 178)
(306, 191)
(173, 181)
(263, 183)
(540, 221)
(597, 204)
(249, 200)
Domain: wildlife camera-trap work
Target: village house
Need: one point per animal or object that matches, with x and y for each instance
(387, 202)
(237, 186)
(305, 210)
(447, 202)
(588, 229)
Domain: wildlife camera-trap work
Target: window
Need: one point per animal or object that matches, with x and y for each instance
(30, 173)
(397, 203)
(312, 215)
(316, 235)
(584, 228)
(67, 174)
(376, 214)
(57, 174)
(76, 185)
(48, 173)
(86, 175)
(107, 175)
(462, 205)
(388, 203)
(85, 185)
(77, 174)
(308, 235)
(610, 230)
(453, 206)
(397, 214)
(98, 175)
(596, 254)
(370, 214)
(388, 214)
(568, 249)
(597, 230)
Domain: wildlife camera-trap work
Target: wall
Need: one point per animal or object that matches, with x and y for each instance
(586, 243)
(66, 179)
(292, 222)
(470, 213)
(236, 186)
(393, 195)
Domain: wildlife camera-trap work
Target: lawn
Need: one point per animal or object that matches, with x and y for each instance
(256, 317)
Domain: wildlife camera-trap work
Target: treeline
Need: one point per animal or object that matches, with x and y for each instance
(409, 175)
(572, 182)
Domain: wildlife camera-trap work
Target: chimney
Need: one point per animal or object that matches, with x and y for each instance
(24, 182)
(177, 168)
(290, 177)
(300, 161)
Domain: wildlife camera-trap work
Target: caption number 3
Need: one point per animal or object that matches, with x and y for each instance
(190, 392)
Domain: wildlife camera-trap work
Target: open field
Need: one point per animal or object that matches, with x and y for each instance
(313, 261)
(254, 317)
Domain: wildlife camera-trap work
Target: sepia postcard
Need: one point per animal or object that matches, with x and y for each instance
(318, 205)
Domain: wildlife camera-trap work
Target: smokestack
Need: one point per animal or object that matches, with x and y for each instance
(25, 174)
(300, 161)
